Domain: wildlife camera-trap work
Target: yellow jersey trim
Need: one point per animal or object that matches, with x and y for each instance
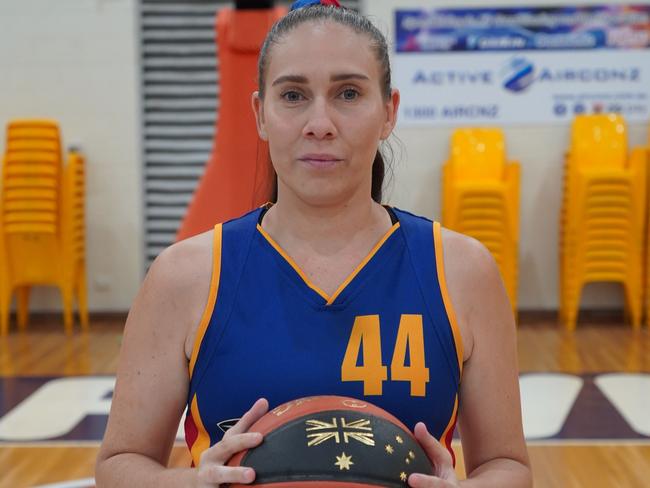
(451, 313)
(291, 262)
(202, 441)
(363, 263)
(346, 282)
(212, 297)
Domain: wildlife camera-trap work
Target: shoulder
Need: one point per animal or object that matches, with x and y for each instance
(466, 253)
(184, 269)
(178, 281)
(474, 284)
(182, 263)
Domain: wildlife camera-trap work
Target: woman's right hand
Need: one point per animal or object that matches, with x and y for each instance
(212, 471)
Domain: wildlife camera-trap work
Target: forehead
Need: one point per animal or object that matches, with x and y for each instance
(322, 47)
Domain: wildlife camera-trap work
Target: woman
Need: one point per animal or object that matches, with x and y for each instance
(324, 292)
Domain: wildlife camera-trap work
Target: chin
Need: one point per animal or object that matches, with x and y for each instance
(322, 197)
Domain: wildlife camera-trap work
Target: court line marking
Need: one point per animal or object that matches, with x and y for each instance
(83, 483)
(587, 442)
(46, 444)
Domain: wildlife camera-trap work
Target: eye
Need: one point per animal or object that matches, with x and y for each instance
(350, 94)
(292, 96)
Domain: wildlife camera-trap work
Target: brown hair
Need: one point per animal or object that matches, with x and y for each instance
(358, 23)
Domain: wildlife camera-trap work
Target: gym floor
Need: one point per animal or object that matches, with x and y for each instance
(585, 398)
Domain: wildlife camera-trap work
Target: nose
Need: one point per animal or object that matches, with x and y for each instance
(319, 123)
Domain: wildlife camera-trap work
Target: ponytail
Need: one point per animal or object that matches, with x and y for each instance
(378, 172)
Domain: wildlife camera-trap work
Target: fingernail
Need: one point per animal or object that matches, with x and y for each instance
(414, 478)
(249, 474)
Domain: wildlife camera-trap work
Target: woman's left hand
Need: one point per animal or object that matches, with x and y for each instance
(444, 474)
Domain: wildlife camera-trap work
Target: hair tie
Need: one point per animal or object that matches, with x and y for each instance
(306, 3)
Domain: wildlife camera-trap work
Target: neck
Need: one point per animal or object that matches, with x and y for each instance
(327, 228)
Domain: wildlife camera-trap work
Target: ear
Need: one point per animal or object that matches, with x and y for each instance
(392, 106)
(258, 109)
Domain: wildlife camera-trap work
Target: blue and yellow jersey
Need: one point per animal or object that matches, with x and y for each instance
(388, 335)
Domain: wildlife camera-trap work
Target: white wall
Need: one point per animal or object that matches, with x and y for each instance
(540, 150)
(76, 61)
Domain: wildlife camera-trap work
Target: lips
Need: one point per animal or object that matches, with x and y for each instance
(320, 160)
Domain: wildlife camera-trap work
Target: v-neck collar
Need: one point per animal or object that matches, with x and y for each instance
(329, 299)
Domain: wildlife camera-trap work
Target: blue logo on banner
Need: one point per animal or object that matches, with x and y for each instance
(559, 109)
(518, 74)
(579, 108)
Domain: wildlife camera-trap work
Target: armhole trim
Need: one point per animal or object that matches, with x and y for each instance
(448, 434)
(202, 441)
(212, 297)
(451, 313)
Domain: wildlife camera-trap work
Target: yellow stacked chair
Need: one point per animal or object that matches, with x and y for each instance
(480, 197)
(41, 221)
(603, 215)
(647, 246)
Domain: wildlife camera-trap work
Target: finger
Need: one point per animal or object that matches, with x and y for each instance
(423, 481)
(223, 450)
(438, 454)
(259, 408)
(219, 475)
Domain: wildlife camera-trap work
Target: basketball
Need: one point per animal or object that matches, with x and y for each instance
(332, 441)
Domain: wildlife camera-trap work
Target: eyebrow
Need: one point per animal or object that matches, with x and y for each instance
(303, 79)
(349, 76)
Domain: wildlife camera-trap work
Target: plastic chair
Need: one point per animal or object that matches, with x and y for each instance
(646, 288)
(481, 197)
(42, 221)
(603, 215)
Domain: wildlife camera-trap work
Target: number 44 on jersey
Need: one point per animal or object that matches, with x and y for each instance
(365, 340)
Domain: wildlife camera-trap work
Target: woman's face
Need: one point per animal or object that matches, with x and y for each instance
(323, 112)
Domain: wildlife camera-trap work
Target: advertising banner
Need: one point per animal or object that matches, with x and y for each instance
(521, 65)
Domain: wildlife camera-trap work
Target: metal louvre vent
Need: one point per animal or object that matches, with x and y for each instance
(180, 90)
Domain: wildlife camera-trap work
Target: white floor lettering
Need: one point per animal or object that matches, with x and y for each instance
(546, 400)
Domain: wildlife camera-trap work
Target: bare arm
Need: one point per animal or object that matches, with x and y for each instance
(490, 415)
(152, 376)
(490, 410)
(152, 382)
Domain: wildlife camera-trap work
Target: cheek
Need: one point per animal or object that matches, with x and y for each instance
(282, 133)
(365, 133)
(282, 118)
(368, 119)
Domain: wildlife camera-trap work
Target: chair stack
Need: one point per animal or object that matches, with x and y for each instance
(481, 197)
(603, 215)
(646, 293)
(74, 230)
(41, 221)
